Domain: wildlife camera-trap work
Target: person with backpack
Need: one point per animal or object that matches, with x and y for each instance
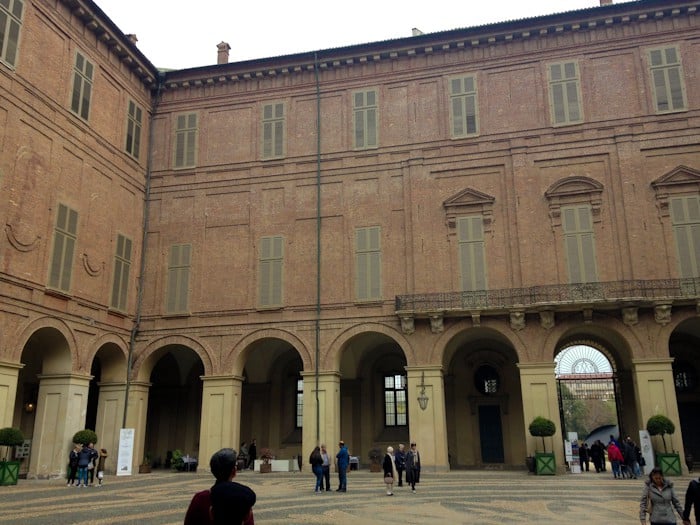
(692, 497)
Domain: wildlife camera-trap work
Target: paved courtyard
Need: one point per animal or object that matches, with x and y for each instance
(474, 497)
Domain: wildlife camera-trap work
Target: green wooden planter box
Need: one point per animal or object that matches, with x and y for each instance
(9, 472)
(545, 464)
(669, 463)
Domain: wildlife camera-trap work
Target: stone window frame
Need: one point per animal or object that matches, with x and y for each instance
(273, 126)
(565, 82)
(463, 96)
(363, 111)
(14, 17)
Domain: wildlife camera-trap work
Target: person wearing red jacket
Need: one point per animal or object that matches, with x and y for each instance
(616, 458)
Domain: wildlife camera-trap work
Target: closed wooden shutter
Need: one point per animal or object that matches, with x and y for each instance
(179, 278)
(271, 266)
(365, 119)
(65, 236)
(579, 244)
(368, 263)
(685, 215)
(122, 267)
(470, 232)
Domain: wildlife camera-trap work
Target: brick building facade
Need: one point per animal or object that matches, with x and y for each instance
(295, 249)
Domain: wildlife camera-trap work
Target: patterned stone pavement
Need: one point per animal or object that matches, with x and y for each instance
(461, 497)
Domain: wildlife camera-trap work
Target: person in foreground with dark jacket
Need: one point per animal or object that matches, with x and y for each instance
(692, 497)
(223, 467)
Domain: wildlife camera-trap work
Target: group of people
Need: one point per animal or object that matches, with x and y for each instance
(83, 462)
(395, 464)
(625, 457)
(248, 453)
(659, 500)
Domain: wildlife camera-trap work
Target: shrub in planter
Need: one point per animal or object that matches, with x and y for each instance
(9, 470)
(659, 425)
(266, 455)
(85, 437)
(542, 427)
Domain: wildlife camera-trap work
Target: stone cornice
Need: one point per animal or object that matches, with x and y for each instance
(432, 43)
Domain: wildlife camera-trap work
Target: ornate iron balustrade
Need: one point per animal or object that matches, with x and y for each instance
(556, 296)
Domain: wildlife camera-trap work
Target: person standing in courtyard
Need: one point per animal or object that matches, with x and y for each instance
(692, 498)
(84, 459)
(343, 460)
(102, 457)
(73, 464)
(252, 453)
(616, 459)
(659, 501)
(390, 474)
(400, 461)
(223, 467)
(583, 455)
(326, 467)
(413, 466)
(316, 462)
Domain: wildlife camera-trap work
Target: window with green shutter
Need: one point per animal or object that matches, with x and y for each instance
(273, 127)
(134, 119)
(365, 119)
(271, 266)
(179, 263)
(667, 79)
(185, 140)
(64, 239)
(11, 12)
(83, 72)
(463, 106)
(685, 216)
(579, 244)
(472, 263)
(368, 259)
(565, 93)
(122, 266)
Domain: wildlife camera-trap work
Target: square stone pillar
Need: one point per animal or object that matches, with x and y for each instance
(60, 413)
(110, 414)
(328, 409)
(539, 390)
(428, 427)
(655, 393)
(136, 416)
(9, 372)
(221, 416)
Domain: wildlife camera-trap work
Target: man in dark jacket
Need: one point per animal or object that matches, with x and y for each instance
(343, 457)
(400, 460)
(692, 497)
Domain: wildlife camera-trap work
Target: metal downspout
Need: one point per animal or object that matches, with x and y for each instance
(144, 240)
(318, 246)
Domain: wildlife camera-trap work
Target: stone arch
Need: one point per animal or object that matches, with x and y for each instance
(333, 356)
(149, 356)
(236, 359)
(114, 361)
(62, 358)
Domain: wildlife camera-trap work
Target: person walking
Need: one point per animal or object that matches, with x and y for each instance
(252, 453)
(223, 466)
(616, 459)
(73, 465)
(326, 467)
(583, 455)
(413, 466)
(634, 454)
(316, 462)
(101, 466)
(390, 474)
(596, 453)
(659, 500)
(343, 459)
(400, 461)
(692, 498)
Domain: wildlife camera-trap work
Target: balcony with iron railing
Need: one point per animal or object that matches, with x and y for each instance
(660, 294)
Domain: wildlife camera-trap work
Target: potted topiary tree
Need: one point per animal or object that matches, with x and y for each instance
(375, 459)
(668, 462)
(85, 437)
(545, 463)
(9, 470)
(266, 455)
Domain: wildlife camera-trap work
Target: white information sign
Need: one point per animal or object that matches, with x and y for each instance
(647, 450)
(126, 452)
(574, 460)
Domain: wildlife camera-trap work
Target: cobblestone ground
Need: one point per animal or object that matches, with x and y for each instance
(473, 497)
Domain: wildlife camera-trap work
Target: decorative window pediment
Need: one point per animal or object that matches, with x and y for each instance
(574, 190)
(466, 202)
(679, 181)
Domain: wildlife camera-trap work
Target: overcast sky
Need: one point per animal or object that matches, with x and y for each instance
(177, 34)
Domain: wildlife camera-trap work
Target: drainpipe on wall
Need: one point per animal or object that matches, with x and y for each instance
(144, 240)
(318, 244)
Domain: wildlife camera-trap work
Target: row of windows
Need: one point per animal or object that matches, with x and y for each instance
(565, 103)
(11, 13)
(577, 231)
